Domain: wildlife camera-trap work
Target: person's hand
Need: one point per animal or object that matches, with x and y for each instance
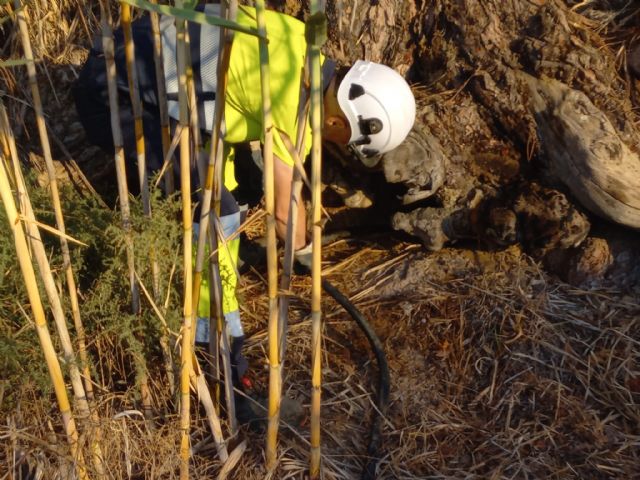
(303, 260)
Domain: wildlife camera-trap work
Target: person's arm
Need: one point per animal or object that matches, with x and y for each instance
(283, 174)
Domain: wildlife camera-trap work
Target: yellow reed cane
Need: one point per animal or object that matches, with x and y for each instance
(31, 285)
(275, 383)
(316, 36)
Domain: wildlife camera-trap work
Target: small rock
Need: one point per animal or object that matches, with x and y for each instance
(591, 261)
(583, 265)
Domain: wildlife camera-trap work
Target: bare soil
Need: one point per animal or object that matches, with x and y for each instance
(508, 359)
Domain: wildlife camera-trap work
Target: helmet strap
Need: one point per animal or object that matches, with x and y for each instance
(367, 126)
(367, 157)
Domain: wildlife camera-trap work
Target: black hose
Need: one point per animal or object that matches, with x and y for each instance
(382, 400)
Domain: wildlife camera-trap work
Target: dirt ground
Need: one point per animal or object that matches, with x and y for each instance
(498, 370)
(502, 365)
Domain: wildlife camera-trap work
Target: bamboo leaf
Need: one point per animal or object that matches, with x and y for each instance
(13, 63)
(189, 4)
(192, 16)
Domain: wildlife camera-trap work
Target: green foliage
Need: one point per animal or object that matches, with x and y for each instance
(20, 355)
(12, 63)
(108, 301)
(121, 345)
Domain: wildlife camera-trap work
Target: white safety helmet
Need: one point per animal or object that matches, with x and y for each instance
(380, 108)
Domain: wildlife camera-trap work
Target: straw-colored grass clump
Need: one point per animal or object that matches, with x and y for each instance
(498, 369)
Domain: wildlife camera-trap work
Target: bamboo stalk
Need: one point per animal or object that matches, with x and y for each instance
(143, 176)
(225, 353)
(317, 8)
(275, 379)
(195, 374)
(46, 275)
(4, 143)
(123, 190)
(180, 13)
(197, 143)
(292, 220)
(203, 392)
(208, 225)
(134, 94)
(193, 110)
(55, 196)
(162, 97)
(214, 273)
(185, 183)
(200, 384)
(55, 372)
(221, 350)
(82, 392)
(121, 174)
(136, 104)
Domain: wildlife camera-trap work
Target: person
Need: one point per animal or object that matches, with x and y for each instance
(368, 107)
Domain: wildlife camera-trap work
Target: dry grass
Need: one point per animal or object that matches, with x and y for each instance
(498, 370)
